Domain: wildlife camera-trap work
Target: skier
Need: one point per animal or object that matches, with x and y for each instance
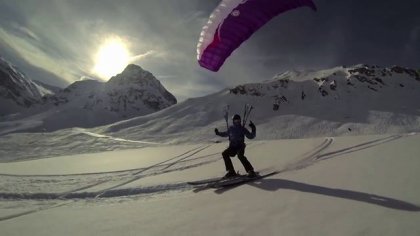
(236, 134)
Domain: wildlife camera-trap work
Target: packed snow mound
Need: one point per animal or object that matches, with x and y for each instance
(17, 92)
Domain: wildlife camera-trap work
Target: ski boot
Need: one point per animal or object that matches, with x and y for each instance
(252, 174)
(230, 174)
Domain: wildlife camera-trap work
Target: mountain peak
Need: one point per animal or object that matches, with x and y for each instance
(132, 67)
(17, 92)
(133, 70)
(133, 74)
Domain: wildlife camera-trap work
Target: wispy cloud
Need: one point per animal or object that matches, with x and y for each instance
(22, 30)
(33, 54)
(139, 57)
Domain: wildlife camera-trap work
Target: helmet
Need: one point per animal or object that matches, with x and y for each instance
(236, 117)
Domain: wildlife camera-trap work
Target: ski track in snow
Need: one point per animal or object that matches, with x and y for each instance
(72, 194)
(135, 176)
(82, 131)
(316, 155)
(302, 163)
(358, 147)
(309, 158)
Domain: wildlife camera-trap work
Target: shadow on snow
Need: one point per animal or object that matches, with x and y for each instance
(277, 184)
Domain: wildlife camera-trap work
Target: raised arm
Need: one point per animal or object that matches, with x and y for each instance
(251, 134)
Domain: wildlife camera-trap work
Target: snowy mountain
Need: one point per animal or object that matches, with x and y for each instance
(353, 100)
(339, 101)
(339, 83)
(17, 92)
(53, 89)
(134, 92)
(90, 103)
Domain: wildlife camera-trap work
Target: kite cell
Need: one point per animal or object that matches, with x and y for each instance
(233, 22)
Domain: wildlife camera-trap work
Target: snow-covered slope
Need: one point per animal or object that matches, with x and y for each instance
(17, 92)
(339, 101)
(89, 103)
(51, 88)
(359, 185)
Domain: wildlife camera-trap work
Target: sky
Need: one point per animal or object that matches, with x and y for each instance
(57, 41)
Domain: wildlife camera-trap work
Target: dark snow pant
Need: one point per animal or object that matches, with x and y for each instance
(231, 152)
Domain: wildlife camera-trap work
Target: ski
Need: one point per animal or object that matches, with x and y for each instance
(204, 181)
(241, 180)
(213, 180)
(210, 183)
(230, 182)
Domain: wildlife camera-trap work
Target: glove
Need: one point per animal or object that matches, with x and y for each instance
(216, 131)
(251, 125)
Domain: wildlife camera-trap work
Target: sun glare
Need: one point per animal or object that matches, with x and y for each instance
(111, 58)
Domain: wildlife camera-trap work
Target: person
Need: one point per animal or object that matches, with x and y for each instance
(236, 134)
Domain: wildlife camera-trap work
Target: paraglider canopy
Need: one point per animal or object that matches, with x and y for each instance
(233, 22)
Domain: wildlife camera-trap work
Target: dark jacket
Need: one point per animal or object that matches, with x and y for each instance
(236, 134)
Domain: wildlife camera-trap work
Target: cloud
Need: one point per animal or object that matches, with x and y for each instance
(140, 57)
(21, 30)
(33, 54)
(84, 77)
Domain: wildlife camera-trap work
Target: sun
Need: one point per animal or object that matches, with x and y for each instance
(111, 58)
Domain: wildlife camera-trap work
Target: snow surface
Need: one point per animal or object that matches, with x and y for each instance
(354, 185)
